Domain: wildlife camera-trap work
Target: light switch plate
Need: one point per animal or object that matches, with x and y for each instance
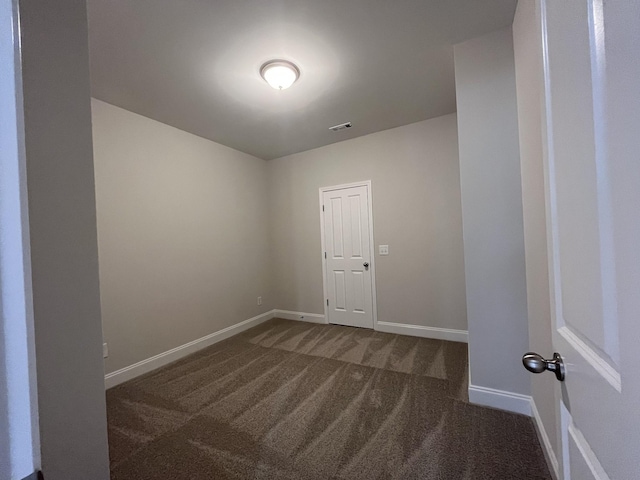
(383, 249)
(105, 350)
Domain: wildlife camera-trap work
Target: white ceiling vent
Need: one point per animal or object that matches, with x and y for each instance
(342, 126)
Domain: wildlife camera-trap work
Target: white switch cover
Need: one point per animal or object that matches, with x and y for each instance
(105, 350)
(383, 249)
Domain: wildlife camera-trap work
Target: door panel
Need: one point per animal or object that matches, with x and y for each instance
(336, 227)
(356, 226)
(581, 186)
(579, 466)
(585, 246)
(358, 292)
(349, 283)
(340, 290)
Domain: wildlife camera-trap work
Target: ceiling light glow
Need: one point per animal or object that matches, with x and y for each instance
(280, 74)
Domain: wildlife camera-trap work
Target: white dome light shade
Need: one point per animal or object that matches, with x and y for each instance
(280, 74)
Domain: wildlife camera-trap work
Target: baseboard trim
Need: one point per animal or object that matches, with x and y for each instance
(547, 448)
(305, 317)
(422, 331)
(503, 400)
(132, 371)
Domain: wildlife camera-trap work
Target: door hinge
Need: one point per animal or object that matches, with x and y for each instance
(325, 255)
(323, 208)
(327, 302)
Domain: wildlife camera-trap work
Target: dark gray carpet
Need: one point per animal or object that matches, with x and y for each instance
(292, 400)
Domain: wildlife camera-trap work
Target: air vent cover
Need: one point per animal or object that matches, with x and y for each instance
(342, 126)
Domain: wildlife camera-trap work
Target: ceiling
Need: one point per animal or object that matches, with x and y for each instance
(194, 64)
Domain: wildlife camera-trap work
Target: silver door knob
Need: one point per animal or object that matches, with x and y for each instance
(365, 264)
(536, 364)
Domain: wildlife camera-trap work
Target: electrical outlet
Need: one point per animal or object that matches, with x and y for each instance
(105, 350)
(259, 300)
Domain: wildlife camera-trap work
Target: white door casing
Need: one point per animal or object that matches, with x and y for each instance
(591, 236)
(347, 245)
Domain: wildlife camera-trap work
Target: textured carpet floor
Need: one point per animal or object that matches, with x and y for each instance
(295, 401)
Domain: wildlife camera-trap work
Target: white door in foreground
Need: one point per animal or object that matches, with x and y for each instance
(347, 248)
(593, 218)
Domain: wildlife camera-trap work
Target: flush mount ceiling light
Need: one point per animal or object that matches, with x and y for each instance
(280, 74)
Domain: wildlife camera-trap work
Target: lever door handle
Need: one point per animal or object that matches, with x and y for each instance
(536, 364)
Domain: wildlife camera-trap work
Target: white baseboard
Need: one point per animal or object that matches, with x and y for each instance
(132, 371)
(425, 332)
(305, 317)
(547, 448)
(490, 397)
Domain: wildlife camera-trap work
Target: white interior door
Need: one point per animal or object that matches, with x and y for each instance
(593, 213)
(348, 260)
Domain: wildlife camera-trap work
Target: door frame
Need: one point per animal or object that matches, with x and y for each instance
(372, 263)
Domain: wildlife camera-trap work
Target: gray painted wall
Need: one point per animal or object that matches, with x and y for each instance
(416, 211)
(64, 249)
(492, 211)
(527, 39)
(182, 233)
